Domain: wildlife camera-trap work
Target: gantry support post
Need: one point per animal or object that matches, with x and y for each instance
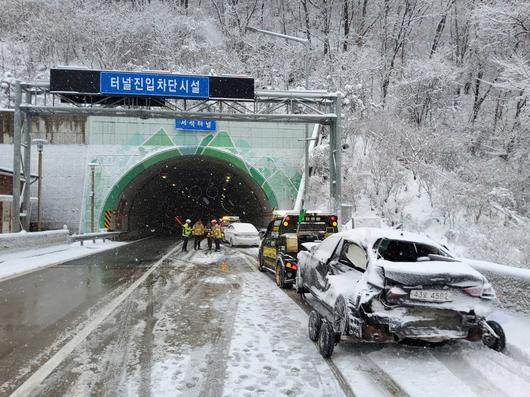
(17, 146)
(26, 201)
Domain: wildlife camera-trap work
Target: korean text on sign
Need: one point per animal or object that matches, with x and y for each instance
(196, 125)
(167, 85)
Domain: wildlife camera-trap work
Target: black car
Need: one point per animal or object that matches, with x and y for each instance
(283, 240)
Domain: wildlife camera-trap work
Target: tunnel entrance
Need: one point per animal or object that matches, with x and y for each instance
(190, 186)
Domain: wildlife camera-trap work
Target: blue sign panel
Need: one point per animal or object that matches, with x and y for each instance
(196, 125)
(152, 84)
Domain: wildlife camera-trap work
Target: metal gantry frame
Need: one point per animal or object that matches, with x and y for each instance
(316, 107)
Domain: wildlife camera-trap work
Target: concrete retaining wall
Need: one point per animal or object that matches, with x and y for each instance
(14, 242)
(64, 171)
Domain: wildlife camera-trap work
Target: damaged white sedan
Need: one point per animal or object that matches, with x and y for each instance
(383, 285)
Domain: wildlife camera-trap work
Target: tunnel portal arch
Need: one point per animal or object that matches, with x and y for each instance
(169, 182)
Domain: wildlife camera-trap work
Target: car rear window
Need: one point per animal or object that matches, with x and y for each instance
(405, 251)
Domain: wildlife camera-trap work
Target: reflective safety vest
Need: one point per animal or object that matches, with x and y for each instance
(198, 229)
(217, 232)
(186, 230)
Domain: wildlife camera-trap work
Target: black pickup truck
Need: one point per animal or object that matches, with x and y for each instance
(283, 240)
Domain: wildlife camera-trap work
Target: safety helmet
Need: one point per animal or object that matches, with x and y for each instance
(188, 220)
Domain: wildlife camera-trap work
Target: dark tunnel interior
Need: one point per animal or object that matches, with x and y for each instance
(194, 187)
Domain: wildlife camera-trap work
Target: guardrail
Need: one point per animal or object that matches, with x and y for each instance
(510, 283)
(95, 236)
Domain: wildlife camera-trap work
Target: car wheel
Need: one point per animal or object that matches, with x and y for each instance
(341, 320)
(326, 340)
(313, 325)
(279, 276)
(497, 344)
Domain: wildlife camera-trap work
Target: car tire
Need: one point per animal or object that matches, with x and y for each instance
(326, 340)
(494, 343)
(279, 277)
(313, 325)
(341, 321)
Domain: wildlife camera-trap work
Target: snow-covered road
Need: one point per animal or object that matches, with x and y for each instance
(208, 324)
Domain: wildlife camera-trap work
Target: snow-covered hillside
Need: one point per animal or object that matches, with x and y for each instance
(436, 119)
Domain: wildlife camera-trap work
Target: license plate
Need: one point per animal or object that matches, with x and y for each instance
(430, 295)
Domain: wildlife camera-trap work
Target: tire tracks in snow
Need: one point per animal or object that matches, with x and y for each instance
(341, 380)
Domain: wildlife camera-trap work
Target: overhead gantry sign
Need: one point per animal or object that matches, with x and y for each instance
(158, 95)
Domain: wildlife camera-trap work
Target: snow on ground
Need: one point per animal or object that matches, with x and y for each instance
(516, 328)
(203, 324)
(270, 354)
(19, 263)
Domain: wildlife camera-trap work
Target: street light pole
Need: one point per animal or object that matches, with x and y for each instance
(40, 145)
(305, 42)
(92, 166)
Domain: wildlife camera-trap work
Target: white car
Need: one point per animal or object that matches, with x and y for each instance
(384, 285)
(241, 234)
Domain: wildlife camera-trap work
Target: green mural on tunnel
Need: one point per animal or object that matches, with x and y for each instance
(270, 153)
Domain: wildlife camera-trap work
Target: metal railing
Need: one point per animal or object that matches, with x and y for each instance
(95, 236)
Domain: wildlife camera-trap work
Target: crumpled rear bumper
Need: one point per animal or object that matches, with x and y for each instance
(422, 323)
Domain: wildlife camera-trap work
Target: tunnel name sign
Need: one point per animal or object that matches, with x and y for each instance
(81, 84)
(196, 125)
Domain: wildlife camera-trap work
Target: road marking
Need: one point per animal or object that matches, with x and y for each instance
(43, 372)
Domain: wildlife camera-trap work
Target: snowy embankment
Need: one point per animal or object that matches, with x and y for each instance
(11, 242)
(20, 263)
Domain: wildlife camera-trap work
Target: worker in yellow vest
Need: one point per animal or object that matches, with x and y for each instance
(186, 233)
(217, 234)
(198, 234)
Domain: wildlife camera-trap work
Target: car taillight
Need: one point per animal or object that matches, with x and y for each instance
(473, 291)
(291, 265)
(394, 294)
(486, 291)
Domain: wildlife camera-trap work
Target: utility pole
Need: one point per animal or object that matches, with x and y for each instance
(92, 166)
(40, 145)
